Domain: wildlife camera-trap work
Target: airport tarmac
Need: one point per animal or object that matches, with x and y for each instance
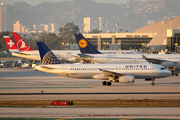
(16, 81)
(62, 88)
(64, 112)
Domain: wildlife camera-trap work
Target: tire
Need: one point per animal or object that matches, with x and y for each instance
(108, 83)
(152, 83)
(104, 83)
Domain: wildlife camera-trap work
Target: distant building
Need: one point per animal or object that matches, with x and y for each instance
(39, 28)
(102, 24)
(6, 17)
(52, 27)
(49, 27)
(125, 41)
(87, 24)
(46, 28)
(17, 27)
(168, 33)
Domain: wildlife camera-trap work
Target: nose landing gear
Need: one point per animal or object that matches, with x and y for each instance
(153, 82)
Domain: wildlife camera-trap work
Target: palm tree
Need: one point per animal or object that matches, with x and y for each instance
(126, 31)
(120, 30)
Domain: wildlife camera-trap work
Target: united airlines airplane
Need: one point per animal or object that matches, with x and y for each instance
(122, 73)
(91, 54)
(25, 51)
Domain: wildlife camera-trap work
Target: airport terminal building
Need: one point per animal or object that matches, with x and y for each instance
(124, 41)
(162, 35)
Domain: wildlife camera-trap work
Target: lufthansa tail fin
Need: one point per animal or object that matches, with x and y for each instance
(21, 44)
(47, 56)
(85, 46)
(11, 44)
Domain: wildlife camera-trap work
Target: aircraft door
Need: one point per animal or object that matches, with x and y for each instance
(64, 69)
(154, 69)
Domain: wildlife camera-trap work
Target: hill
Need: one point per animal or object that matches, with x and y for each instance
(131, 16)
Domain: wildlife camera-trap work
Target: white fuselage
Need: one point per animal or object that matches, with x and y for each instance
(67, 55)
(133, 58)
(87, 71)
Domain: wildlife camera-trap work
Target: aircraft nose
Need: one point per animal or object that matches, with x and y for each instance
(168, 73)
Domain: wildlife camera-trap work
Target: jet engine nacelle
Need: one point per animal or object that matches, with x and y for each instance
(126, 79)
(170, 65)
(99, 76)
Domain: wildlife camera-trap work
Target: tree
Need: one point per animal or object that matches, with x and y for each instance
(67, 32)
(96, 31)
(120, 30)
(126, 31)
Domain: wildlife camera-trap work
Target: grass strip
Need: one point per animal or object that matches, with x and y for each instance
(97, 103)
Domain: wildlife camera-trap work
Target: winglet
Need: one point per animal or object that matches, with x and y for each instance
(47, 56)
(85, 46)
(144, 57)
(21, 44)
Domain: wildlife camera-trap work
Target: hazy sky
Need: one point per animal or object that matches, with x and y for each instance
(35, 2)
(112, 1)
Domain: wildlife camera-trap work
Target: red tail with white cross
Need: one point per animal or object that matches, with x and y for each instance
(10, 44)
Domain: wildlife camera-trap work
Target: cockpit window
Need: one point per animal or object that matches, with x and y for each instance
(162, 68)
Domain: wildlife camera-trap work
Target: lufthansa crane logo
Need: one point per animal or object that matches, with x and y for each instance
(82, 43)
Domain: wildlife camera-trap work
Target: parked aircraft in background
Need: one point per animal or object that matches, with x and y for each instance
(122, 73)
(90, 54)
(64, 55)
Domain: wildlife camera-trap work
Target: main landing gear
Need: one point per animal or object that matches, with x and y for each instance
(106, 83)
(153, 82)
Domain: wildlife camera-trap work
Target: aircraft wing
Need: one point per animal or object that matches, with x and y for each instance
(153, 60)
(21, 53)
(82, 57)
(111, 73)
(47, 68)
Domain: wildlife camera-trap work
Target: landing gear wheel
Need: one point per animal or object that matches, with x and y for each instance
(153, 83)
(104, 83)
(108, 83)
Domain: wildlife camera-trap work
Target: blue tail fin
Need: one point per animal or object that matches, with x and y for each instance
(85, 46)
(47, 57)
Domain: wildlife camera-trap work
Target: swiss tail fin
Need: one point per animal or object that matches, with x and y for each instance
(21, 44)
(47, 56)
(11, 44)
(85, 46)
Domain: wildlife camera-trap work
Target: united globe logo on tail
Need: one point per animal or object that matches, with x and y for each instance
(82, 43)
(50, 58)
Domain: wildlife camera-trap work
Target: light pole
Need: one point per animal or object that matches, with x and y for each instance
(164, 31)
(170, 19)
(117, 24)
(103, 26)
(84, 27)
